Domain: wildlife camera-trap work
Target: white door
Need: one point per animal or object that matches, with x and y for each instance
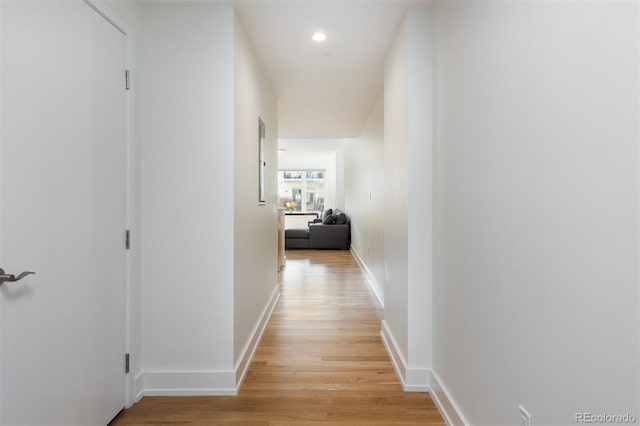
(62, 214)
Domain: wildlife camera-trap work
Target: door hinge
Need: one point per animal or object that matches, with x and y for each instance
(126, 363)
(127, 83)
(127, 239)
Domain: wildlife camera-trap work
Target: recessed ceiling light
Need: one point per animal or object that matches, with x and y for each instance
(319, 36)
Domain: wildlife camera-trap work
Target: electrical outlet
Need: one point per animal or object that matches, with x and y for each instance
(525, 417)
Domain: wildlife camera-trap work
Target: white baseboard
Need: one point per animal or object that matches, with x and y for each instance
(446, 405)
(192, 383)
(411, 379)
(371, 279)
(138, 388)
(399, 364)
(422, 380)
(250, 349)
(417, 380)
(173, 383)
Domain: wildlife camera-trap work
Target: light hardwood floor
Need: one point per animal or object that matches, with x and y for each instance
(320, 361)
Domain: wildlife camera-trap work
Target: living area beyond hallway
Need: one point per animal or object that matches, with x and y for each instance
(320, 360)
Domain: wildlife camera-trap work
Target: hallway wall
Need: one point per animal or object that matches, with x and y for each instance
(396, 157)
(364, 195)
(187, 124)
(536, 290)
(255, 226)
(408, 198)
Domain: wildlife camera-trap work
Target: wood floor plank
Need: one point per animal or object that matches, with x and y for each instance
(320, 361)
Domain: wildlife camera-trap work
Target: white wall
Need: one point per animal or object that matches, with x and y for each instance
(396, 93)
(408, 194)
(364, 195)
(421, 134)
(536, 294)
(256, 227)
(187, 123)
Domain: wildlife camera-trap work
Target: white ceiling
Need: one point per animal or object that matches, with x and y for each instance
(328, 89)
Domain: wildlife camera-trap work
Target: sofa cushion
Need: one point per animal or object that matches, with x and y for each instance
(341, 219)
(331, 219)
(327, 213)
(298, 234)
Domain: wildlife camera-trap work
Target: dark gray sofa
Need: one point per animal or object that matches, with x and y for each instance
(333, 231)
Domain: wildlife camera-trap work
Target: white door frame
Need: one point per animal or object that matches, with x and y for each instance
(102, 8)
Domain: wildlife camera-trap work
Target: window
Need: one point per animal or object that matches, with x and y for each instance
(315, 174)
(305, 188)
(290, 175)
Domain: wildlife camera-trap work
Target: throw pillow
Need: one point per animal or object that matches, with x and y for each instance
(341, 219)
(326, 213)
(330, 220)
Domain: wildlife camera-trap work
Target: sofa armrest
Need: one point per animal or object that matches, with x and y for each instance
(317, 220)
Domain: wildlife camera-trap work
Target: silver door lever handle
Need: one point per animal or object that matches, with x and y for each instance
(9, 278)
